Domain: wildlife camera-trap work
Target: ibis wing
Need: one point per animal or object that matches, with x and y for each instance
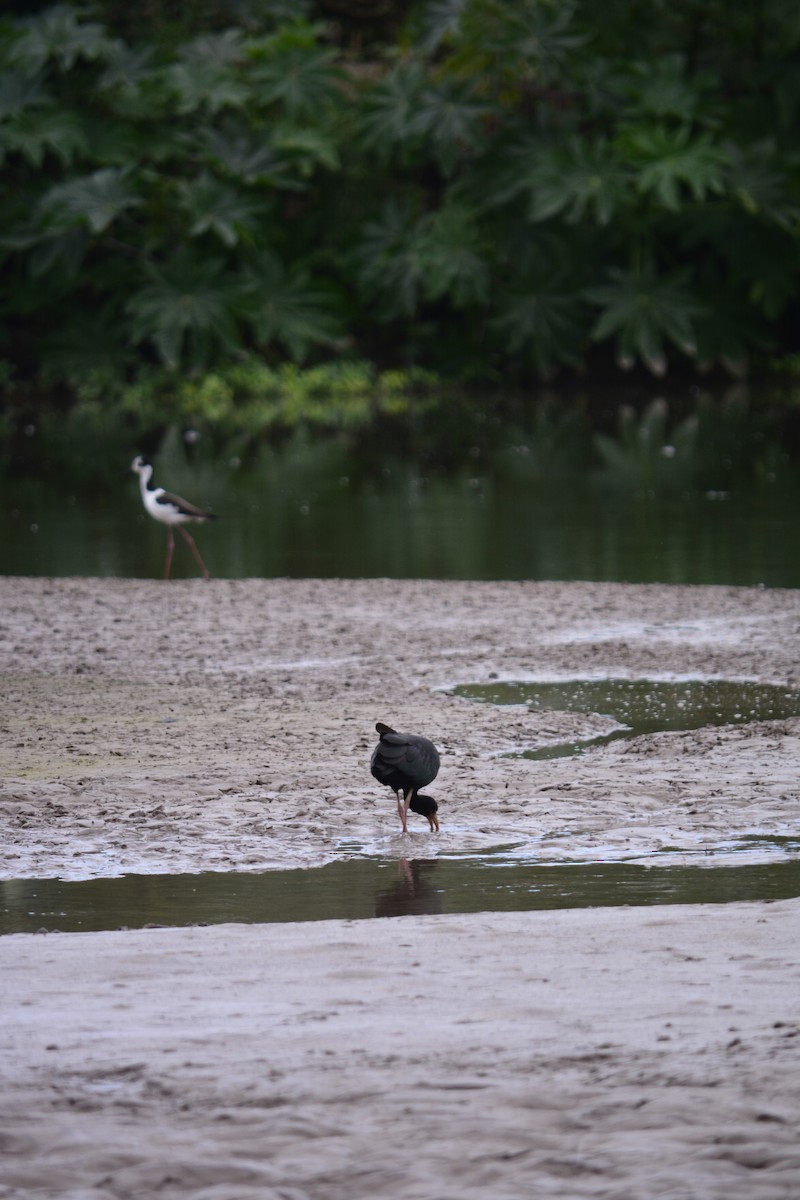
(406, 757)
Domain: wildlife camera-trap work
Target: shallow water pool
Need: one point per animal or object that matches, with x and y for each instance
(640, 706)
(358, 888)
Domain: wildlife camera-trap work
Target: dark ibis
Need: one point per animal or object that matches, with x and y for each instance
(406, 762)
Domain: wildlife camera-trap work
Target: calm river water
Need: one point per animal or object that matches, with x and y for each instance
(321, 516)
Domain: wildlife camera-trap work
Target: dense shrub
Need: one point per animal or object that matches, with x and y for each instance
(476, 187)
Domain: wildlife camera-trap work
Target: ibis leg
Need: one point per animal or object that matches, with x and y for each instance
(402, 811)
(404, 814)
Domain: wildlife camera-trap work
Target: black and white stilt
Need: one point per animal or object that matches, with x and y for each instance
(172, 511)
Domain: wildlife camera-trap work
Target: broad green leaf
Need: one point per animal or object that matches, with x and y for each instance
(112, 141)
(540, 310)
(209, 50)
(213, 90)
(758, 178)
(62, 255)
(246, 155)
(218, 208)
(209, 73)
(579, 181)
(127, 70)
(524, 40)
(671, 162)
(95, 201)
(668, 90)
(546, 325)
(187, 310)
(440, 24)
(388, 118)
(295, 32)
(390, 265)
(405, 259)
(61, 35)
(18, 92)
(488, 124)
(38, 131)
(302, 80)
(285, 306)
(643, 310)
(309, 148)
(448, 247)
(453, 120)
(497, 176)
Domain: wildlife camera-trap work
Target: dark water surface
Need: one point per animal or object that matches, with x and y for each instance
(362, 888)
(318, 514)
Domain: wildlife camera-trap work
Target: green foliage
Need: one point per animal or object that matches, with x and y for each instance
(185, 308)
(216, 207)
(284, 306)
(94, 201)
(206, 75)
(760, 186)
(531, 40)
(302, 79)
(388, 121)
(452, 121)
(644, 310)
(38, 131)
(670, 161)
(504, 190)
(59, 35)
(579, 181)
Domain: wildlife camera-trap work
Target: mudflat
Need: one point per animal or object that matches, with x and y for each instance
(152, 728)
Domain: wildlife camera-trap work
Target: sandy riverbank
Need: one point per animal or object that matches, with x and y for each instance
(623, 1053)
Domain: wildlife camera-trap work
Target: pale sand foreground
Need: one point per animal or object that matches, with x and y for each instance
(620, 1053)
(626, 1053)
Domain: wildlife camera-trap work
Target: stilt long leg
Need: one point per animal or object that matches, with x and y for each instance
(195, 552)
(170, 552)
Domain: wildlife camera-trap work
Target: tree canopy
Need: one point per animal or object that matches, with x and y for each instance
(470, 186)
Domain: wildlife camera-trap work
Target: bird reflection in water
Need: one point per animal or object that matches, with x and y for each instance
(413, 892)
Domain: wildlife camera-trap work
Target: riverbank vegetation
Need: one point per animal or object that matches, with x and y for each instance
(247, 213)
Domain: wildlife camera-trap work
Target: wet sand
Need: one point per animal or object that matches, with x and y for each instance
(616, 1053)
